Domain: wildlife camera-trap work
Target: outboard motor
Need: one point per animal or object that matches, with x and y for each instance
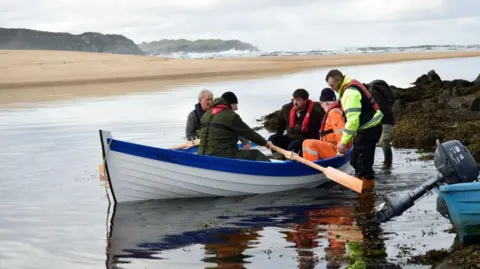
(455, 165)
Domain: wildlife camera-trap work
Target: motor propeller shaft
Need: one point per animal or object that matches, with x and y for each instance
(395, 205)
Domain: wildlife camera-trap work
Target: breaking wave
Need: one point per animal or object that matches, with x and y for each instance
(357, 50)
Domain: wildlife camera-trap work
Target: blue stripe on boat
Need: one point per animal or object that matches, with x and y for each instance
(276, 169)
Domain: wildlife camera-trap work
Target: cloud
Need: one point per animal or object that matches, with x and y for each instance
(269, 24)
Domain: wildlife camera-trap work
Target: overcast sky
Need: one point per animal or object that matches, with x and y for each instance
(269, 24)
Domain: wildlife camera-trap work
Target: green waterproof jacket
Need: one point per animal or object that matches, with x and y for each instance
(220, 127)
(357, 108)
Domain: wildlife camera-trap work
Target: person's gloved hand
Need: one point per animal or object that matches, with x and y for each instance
(269, 143)
(341, 149)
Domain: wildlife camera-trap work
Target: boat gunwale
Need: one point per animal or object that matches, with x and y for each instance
(258, 168)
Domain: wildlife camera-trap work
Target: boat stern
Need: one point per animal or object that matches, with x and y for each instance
(463, 204)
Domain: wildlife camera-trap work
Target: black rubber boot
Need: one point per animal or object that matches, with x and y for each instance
(388, 156)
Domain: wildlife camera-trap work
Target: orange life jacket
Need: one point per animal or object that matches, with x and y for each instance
(331, 135)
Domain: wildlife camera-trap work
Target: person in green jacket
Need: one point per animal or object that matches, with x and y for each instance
(220, 128)
(363, 124)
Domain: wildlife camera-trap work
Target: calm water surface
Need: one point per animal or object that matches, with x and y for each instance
(54, 212)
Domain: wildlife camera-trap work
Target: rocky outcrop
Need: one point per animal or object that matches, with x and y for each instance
(25, 39)
(431, 109)
(435, 109)
(477, 80)
(166, 46)
(475, 106)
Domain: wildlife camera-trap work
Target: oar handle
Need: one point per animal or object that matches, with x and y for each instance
(293, 156)
(279, 150)
(189, 144)
(196, 142)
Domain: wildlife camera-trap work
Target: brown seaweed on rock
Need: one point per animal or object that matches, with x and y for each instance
(431, 109)
(463, 258)
(435, 109)
(269, 122)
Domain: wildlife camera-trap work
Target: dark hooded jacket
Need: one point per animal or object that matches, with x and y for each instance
(193, 122)
(220, 128)
(383, 95)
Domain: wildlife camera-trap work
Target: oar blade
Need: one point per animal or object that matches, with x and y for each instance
(344, 179)
(336, 175)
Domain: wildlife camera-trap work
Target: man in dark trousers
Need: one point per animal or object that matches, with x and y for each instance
(383, 95)
(301, 120)
(363, 124)
(220, 128)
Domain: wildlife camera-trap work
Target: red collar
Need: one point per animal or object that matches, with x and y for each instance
(306, 119)
(218, 108)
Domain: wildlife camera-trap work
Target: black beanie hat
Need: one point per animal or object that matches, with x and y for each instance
(327, 95)
(230, 98)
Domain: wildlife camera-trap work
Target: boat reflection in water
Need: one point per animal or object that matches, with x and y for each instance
(298, 229)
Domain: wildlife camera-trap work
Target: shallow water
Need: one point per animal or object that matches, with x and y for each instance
(54, 209)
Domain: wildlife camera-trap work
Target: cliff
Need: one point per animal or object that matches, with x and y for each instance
(25, 39)
(201, 45)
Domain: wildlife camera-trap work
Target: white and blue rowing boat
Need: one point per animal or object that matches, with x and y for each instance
(137, 172)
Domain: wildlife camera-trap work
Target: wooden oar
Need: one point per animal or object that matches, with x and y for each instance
(197, 142)
(187, 145)
(336, 175)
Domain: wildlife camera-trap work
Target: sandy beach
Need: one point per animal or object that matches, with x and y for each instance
(31, 76)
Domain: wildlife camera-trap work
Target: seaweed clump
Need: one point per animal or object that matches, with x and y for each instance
(437, 109)
(464, 258)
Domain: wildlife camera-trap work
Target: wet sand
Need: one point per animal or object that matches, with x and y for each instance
(31, 76)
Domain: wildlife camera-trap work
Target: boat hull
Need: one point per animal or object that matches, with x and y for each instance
(137, 172)
(463, 204)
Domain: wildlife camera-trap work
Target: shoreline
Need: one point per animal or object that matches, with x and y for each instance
(38, 76)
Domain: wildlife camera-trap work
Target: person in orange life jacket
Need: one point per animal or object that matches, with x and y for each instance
(331, 129)
(301, 120)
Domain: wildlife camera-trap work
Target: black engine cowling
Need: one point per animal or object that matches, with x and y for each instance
(455, 163)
